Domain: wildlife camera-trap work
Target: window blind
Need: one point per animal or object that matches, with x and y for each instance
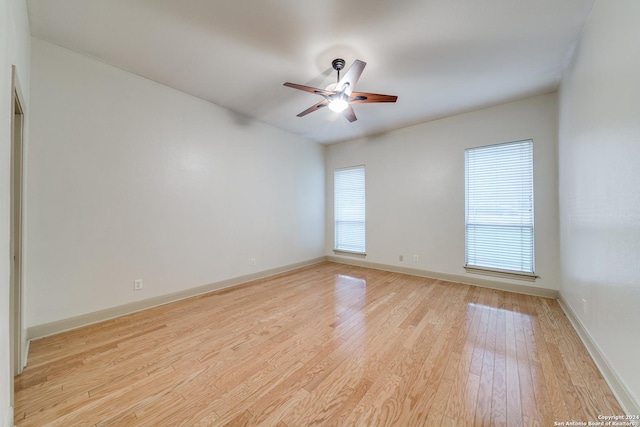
(349, 209)
(499, 207)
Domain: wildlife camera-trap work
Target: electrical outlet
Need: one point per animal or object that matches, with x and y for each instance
(584, 306)
(137, 284)
(416, 258)
(253, 261)
(400, 258)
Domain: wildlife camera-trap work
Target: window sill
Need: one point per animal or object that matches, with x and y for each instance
(507, 274)
(349, 253)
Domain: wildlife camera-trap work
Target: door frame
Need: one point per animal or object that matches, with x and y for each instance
(16, 202)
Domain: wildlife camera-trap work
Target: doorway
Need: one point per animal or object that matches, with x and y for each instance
(15, 239)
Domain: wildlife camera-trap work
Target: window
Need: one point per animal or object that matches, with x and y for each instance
(349, 209)
(499, 207)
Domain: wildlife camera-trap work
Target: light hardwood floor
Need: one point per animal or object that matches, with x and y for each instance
(329, 344)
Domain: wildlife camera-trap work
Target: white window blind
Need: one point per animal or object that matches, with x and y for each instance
(349, 209)
(499, 207)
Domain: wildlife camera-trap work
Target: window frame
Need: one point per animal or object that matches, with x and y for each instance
(496, 270)
(338, 247)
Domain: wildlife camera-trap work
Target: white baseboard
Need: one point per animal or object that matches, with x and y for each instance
(46, 329)
(626, 400)
(467, 280)
(25, 352)
(8, 421)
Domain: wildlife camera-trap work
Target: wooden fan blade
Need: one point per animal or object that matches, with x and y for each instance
(351, 76)
(309, 89)
(350, 114)
(316, 107)
(364, 97)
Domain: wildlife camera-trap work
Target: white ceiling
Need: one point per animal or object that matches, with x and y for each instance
(440, 57)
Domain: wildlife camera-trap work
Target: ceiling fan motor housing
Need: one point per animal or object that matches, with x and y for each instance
(338, 64)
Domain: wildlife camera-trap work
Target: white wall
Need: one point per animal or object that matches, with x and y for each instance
(130, 179)
(599, 159)
(14, 50)
(415, 186)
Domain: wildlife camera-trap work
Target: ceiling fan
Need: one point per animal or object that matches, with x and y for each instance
(340, 97)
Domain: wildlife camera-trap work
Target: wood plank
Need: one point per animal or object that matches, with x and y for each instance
(514, 402)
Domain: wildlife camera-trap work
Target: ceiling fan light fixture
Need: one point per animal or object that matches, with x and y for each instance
(339, 103)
